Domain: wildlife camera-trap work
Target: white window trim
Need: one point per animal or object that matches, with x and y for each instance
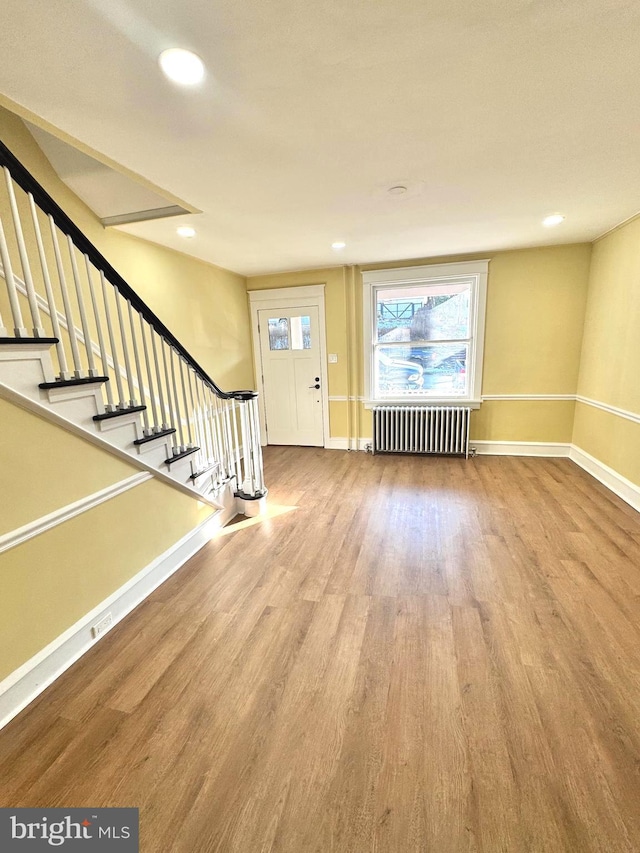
(375, 279)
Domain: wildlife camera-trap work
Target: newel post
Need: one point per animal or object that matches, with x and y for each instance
(250, 492)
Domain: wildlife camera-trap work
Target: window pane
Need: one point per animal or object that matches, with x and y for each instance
(300, 333)
(436, 370)
(278, 333)
(423, 313)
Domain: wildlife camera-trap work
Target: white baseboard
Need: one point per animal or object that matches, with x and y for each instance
(618, 484)
(521, 448)
(344, 444)
(27, 682)
(488, 448)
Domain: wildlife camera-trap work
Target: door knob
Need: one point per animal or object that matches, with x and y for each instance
(314, 386)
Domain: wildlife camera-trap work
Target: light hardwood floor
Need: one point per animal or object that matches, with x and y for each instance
(417, 655)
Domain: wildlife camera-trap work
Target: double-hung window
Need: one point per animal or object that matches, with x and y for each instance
(424, 333)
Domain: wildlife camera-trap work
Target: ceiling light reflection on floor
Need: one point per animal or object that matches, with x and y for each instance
(272, 512)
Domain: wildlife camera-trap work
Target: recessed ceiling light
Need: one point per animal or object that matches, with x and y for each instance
(338, 245)
(182, 66)
(186, 231)
(398, 189)
(553, 219)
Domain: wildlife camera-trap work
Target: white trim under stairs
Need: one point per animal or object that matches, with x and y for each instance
(65, 513)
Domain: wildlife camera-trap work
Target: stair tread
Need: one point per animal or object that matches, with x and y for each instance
(71, 383)
(105, 416)
(204, 471)
(50, 341)
(184, 453)
(155, 435)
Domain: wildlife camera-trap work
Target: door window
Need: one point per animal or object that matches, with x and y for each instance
(278, 333)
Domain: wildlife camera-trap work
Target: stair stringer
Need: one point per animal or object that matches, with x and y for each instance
(24, 366)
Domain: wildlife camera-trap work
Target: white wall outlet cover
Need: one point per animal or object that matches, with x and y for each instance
(333, 358)
(103, 625)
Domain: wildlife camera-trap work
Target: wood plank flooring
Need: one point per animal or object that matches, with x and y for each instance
(410, 655)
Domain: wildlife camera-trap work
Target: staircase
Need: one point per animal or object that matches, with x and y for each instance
(80, 347)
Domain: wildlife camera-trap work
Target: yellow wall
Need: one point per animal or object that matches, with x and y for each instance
(535, 313)
(611, 353)
(523, 420)
(44, 467)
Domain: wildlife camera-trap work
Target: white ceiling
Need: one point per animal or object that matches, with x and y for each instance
(495, 112)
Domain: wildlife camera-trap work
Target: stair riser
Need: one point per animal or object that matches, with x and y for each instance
(23, 370)
(75, 404)
(152, 454)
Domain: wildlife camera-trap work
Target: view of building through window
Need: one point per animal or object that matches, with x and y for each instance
(422, 338)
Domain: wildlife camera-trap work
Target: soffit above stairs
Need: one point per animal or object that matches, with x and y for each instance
(113, 196)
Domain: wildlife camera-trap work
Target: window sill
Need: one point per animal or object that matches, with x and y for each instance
(423, 401)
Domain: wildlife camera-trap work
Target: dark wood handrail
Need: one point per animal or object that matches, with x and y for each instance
(45, 202)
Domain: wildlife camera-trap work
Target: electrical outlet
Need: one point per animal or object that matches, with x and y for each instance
(333, 358)
(102, 626)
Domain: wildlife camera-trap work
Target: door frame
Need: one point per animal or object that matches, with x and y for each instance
(300, 296)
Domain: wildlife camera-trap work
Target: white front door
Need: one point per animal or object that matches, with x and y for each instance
(290, 350)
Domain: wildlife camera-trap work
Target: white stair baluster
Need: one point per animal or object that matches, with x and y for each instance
(152, 394)
(226, 406)
(83, 313)
(216, 454)
(101, 344)
(78, 372)
(176, 401)
(53, 311)
(125, 350)
(112, 344)
(38, 329)
(197, 425)
(206, 426)
(213, 411)
(218, 433)
(164, 413)
(175, 440)
(205, 422)
(18, 325)
(257, 447)
(236, 442)
(136, 358)
(184, 399)
(198, 419)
